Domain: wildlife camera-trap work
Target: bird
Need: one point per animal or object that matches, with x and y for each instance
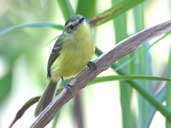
(70, 54)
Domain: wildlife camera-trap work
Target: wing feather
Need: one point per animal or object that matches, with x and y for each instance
(54, 54)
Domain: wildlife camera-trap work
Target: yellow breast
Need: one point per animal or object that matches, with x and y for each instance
(77, 51)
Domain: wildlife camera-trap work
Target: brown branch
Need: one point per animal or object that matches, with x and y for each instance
(102, 63)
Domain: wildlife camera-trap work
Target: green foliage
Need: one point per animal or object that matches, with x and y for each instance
(86, 8)
(16, 41)
(66, 8)
(31, 25)
(168, 94)
(120, 24)
(19, 39)
(5, 86)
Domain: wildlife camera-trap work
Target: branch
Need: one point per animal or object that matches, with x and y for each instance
(103, 62)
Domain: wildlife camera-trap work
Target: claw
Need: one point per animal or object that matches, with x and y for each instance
(69, 88)
(92, 65)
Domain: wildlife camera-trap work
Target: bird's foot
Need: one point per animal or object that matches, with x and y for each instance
(69, 88)
(92, 65)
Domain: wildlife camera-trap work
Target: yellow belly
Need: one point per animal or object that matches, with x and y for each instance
(72, 59)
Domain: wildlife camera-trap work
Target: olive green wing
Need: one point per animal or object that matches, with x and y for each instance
(55, 53)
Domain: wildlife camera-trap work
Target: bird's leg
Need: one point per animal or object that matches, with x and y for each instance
(69, 88)
(67, 85)
(92, 65)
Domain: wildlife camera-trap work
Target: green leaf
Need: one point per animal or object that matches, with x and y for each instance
(168, 92)
(158, 40)
(5, 86)
(66, 8)
(129, 77)
(86, 8)
(120, 27)
(31, 25)
(141, 90)
(56, 119)
(116, 10)
(143, 67)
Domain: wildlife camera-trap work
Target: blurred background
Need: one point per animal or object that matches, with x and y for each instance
(28, 29)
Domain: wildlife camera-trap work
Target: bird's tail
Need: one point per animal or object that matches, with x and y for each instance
(46, 98)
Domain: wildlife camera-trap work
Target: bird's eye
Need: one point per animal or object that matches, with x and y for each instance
(71, 26)
(81, 19)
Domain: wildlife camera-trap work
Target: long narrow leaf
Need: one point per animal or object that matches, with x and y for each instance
(66, 8)
(116, 10)
(56, 119)
(168, 93)
(158, 40)
(145, 94)
(130, 77)
(86, 8)
(120, 27)
(143, 67)
(31, 25)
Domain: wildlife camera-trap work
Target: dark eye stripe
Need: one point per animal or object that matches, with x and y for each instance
(68, 23)
(81, 20)
(73, 23)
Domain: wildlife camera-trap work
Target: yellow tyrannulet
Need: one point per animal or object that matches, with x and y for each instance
(70, 54)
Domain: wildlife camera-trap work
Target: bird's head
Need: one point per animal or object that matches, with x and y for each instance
(75, 22)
